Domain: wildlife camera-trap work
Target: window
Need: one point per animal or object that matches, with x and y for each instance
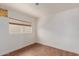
(17, 26)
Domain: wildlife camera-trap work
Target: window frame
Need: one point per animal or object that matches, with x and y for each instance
(20, 24)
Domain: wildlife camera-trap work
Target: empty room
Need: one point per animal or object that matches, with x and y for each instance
(39, 29)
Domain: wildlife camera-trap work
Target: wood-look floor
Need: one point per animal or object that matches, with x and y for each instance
(41, 50)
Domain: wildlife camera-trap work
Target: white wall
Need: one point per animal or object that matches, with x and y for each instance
(60, 30)
(19, 15)
(18, 41)
(10, 42)
(21, 40)
(4, 35)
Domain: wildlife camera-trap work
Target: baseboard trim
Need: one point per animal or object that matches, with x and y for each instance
(7, 54)
(42, 43)
(46, 44)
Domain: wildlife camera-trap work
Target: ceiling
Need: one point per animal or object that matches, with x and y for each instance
(41, 9)
(56, 7)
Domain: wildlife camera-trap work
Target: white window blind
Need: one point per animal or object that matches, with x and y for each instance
(18, 27)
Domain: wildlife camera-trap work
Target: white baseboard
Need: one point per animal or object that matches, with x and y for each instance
(30, 43)
(50, 45)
